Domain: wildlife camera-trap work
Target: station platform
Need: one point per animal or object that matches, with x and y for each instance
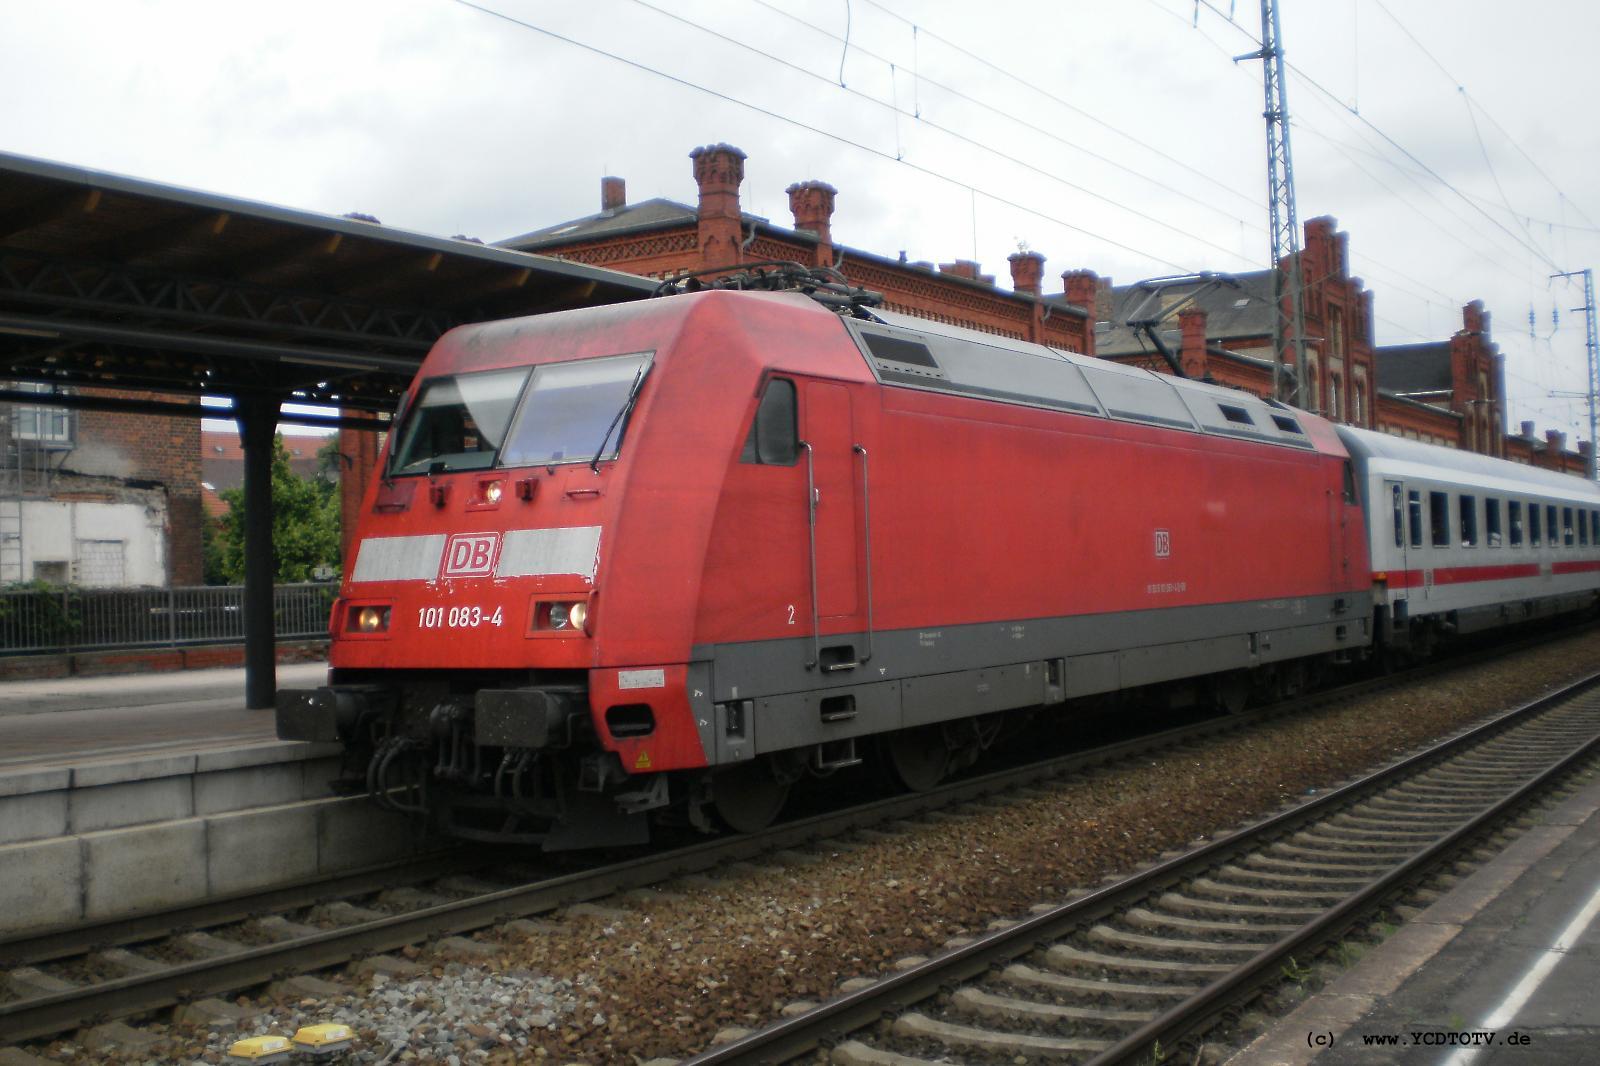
(131, 794)
(1501, 971)
(82, 719)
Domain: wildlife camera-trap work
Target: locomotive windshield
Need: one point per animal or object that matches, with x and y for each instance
(574, 412)
(569, 412)
(458, 423)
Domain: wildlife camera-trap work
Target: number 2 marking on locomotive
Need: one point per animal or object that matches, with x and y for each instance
(791, 614)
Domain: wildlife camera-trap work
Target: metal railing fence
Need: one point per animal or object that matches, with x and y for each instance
(35, 619)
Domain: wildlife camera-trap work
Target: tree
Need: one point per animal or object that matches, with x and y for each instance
(305, 525)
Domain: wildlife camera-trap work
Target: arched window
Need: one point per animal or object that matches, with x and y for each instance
(1311, 384)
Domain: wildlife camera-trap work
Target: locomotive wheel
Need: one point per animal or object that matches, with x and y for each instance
(918, 758)
(748, 797)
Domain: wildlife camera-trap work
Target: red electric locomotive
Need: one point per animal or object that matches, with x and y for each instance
(674, 555)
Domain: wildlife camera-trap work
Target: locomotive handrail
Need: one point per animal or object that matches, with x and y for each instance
(811, 524)
(866, 530)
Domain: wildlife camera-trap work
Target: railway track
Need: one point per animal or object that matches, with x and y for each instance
(1131, 971)
(60, 980)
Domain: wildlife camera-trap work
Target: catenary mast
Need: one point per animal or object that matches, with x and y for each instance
(1285, 223)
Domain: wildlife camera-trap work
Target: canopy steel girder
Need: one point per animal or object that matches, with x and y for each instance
(61, 283)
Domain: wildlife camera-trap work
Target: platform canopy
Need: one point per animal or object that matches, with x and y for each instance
(114, 282)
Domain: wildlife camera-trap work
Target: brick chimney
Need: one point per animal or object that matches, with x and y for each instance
(1080, 287)
(719, 170)
(961, 268)
(1192, 354)
(1556, 439)
(811, 202)
(1027, 271)
(1527, 431)
(613, 193)
(1321, 247)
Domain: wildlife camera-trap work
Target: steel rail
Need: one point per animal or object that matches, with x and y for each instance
(1217, 997)
(46, 1015)
(897, 992)
(57, 1012)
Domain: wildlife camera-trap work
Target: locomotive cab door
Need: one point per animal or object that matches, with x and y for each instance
(837, 482)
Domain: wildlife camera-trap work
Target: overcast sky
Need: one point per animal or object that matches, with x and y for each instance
(1118, 136)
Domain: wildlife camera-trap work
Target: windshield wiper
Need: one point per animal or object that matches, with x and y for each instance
(627, 406)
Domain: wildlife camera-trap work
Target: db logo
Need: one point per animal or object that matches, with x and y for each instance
(1163, 543)
(470, 555)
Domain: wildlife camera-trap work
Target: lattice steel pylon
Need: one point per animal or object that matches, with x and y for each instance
(1285, 222)
(1592, 347)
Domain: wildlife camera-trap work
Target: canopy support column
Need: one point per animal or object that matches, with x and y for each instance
(258, 421)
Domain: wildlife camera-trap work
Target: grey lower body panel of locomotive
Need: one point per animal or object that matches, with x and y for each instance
(770, 696)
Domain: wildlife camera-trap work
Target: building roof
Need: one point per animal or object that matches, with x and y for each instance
(658, 213)
(661, 213)
(1237, 306)
(1415, 369)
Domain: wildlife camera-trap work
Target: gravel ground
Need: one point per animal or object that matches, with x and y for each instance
(661, 974)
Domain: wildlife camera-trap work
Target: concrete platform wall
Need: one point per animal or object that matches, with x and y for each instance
(106, 840)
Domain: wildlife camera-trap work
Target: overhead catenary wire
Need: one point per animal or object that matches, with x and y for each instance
(1384, 267)
(919, 79)
(917, 29)
(1494, 255)
(1316, 85)
(1472, 102)
(947, 131)
(829, 134)
(1054, 98)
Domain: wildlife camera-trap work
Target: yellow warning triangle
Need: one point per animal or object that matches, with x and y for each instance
(642, 762)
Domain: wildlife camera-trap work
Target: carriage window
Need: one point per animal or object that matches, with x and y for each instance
(1583, 528)
(458, 423)
(1535, 536)
(1414, 509)
(773, 439)
(1594, 527)
(1491, 522)
(1566, 526)
(1439, 518)
(1468, 509)
(1514, 520)
(1550, 524)
(1399, 517)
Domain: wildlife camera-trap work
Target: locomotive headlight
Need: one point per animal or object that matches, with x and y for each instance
(492, 491)
(564, 615)
(372, 619)
(567, 615)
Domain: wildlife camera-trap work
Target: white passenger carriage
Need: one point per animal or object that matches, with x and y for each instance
(1462, 542)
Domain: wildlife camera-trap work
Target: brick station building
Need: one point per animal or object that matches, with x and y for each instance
(1448, 392)
(100, 499)
(659, 237)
